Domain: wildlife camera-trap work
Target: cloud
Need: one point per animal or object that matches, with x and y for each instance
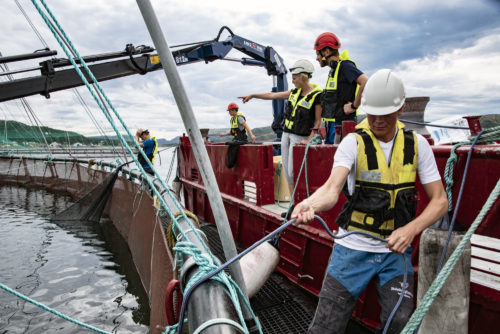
(446, 50)
(460, 80)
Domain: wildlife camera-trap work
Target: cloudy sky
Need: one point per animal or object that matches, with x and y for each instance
(449, 51)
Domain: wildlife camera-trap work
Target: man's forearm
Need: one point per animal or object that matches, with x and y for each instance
(361, 80)
(434, 211)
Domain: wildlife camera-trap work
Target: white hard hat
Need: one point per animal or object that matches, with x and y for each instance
(302, 66)
(384, 94)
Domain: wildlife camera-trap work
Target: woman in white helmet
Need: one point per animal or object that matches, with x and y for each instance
(302, 117)
(380, 162)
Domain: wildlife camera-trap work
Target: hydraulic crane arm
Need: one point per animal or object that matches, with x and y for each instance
(57, 75)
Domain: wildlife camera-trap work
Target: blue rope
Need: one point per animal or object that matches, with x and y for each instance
(457, 206)
(46, 308)
(459, 198)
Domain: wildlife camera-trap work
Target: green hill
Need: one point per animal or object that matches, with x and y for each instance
(17, 133)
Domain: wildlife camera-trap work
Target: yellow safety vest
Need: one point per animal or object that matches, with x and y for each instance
(298, 118)
(235, 129)
(385, 197)
(331, 88)
(151, 156)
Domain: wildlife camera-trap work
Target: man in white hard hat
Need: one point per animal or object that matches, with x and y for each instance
(380, 162)
(302, 117)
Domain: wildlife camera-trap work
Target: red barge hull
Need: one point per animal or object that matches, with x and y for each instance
(305, 250)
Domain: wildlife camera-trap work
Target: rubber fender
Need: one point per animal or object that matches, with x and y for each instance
(258, 265)
(173, 301)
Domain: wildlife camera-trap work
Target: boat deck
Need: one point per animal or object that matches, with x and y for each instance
(282, 307)
(279, 209)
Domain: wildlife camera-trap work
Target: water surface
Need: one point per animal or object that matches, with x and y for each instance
(82, 270)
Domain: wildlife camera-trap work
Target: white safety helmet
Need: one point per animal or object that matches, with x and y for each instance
(384, 94)
(302, 66)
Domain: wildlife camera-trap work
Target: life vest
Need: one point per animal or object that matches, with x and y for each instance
(299, 117)
(151, 156)
(329, 100)
(384, 197)
(238, 134)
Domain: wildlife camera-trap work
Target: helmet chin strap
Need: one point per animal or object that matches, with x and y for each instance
(324, 62)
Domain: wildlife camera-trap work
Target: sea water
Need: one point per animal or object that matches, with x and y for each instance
(80, 269)
(83, 270)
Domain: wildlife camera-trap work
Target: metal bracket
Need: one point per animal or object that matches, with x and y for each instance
(49, 73)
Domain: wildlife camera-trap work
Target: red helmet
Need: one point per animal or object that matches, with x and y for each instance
(326, 39)
(232, 106)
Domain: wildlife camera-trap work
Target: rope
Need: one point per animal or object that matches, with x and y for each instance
(438, 283)
(171, 239)
(487, 136)
(314, 141)
(219, 321)
(459, 198)
(66, 45)
(90, 74)
(46, 308)
(176, 149)
(216, 270)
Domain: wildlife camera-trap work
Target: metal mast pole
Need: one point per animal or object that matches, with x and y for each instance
(200, 152)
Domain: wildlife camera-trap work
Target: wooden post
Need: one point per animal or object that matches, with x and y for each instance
(449, 313)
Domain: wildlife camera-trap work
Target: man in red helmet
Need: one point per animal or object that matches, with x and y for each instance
(342, 94)
(239, 126)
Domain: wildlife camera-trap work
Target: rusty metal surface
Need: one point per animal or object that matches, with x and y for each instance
(130, 208)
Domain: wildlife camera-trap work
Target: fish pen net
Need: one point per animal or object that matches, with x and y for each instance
(91, 206)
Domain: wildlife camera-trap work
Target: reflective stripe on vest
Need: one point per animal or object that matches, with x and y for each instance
(332, 82)
(385, 197)
(235, 129)
(155, 150)
(304, 102)
(151, 156)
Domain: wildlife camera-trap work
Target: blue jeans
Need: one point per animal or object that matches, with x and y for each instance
(348, 274)
(330, 132)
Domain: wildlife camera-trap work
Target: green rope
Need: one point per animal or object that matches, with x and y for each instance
(438, 283)
(314, 141)
(489, 135)
(231, 285)
(46, 308)
(98, 100)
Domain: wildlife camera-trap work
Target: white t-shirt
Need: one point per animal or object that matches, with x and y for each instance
(346, 157)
